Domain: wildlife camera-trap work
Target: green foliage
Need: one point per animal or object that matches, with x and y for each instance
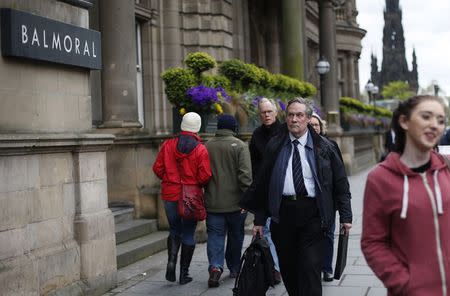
(296, 88)
(233, 69)
(178, 81)
(397, 90)
(310, 90)
(199, 62)
(216, 81)
(280, 82)
(383, 112)
(244, 81)
(253, 75)
(364, 115)
(266, 78)
(355, 104)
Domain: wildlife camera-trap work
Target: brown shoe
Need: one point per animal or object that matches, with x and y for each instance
(277, 277)
(214, 276)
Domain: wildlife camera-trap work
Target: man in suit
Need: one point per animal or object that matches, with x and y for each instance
(300, 184)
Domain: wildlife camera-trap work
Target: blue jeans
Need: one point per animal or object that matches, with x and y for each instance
(328, 250)
(184, 229)
(218, 226)
(273, 251)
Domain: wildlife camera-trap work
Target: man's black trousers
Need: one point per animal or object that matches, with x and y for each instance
(298, 238)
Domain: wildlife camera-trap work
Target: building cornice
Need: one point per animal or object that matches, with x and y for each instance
(23, 144)
(86, 4)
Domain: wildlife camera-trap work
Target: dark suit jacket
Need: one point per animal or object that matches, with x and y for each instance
(258, 143)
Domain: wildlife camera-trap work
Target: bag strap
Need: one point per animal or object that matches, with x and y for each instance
(244, 257)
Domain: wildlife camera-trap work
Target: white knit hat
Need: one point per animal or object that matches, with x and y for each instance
(191, 122)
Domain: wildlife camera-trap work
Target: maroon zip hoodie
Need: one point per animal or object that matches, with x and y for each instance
(406, 227)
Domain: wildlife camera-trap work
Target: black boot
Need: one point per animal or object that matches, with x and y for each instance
(173, 245)
(185, 262)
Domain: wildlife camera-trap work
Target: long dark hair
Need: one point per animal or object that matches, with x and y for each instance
(405, 108)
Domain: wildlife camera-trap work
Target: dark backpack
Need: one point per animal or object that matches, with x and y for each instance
(256, 270)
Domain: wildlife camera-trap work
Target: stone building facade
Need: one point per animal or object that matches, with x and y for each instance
(74, 140)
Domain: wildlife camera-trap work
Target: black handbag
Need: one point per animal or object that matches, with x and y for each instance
(341, 258)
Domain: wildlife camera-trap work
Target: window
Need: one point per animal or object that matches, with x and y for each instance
(340, 65)
(139, 83)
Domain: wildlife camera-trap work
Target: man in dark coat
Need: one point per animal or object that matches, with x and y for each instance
(301, 182)
(269, 127)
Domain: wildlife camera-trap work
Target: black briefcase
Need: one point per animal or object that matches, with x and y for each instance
(341, 258)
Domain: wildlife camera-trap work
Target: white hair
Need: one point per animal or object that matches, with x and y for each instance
(265, 100)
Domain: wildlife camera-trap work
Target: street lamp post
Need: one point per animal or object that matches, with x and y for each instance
(374, 96)
(436, 90)
(369, 88)
(322, 67)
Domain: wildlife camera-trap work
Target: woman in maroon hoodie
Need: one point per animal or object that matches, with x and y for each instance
(406, 216)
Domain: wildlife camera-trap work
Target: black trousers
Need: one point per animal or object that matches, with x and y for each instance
(298, 238)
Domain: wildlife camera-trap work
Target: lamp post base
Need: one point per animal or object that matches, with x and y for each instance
(333, 123)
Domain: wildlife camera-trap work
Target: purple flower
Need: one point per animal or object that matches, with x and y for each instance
(317, 110)
(282, 105)
(256, 100)
(223, 93)
(204, 97)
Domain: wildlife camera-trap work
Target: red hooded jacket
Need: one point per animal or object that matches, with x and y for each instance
(406, 227)
(187, 152)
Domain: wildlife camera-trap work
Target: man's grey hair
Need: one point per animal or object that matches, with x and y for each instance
(300, 100)
(265, 100)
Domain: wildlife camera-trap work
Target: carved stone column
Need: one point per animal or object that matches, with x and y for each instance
(327, 48)
(117, 22)
(293, 38)
(351, 75)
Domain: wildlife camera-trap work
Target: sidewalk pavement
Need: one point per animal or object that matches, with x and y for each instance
(357, 280)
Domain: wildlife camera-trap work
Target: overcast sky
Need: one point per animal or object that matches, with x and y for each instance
(426, 26)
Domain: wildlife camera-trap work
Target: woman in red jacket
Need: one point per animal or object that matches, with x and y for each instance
(181, 160)
(406, 216)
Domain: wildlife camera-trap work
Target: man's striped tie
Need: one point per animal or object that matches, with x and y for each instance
(297, 173)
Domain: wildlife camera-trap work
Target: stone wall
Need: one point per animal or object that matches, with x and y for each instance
(208, 26)
(56, 231)
(360, 150)
(55, 227)
(131, 178)
(41, 97)
(37, 247)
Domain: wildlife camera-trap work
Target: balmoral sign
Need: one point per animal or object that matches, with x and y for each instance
(30, 36)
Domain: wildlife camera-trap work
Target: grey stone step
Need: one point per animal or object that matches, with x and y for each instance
(132, 229)
(122, 214)
(140, 248)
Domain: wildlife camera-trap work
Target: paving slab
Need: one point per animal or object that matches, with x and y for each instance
(345, 291)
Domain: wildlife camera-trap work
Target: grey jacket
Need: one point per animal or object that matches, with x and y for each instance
(231, 172)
